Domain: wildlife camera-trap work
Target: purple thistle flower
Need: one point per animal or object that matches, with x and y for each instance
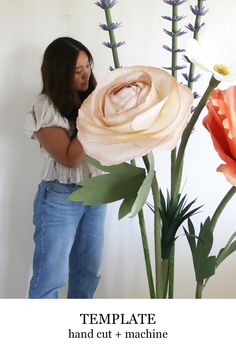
(113, 44)
(174, 18)
(105, 4)
(173, 50)
(174, 2)
(195, 28)
(198, 10)
(176, 67)
(186, 59)
(110, 26)
(191, 78)
(196, 95)
(174, 34)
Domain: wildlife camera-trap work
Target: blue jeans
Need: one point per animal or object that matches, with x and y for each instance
(68, 243)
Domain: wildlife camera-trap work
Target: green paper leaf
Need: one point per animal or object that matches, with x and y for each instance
(204, 265)
(226, 251)
(206, 269)
(191, 236)
(126, 207)
(122, 182)
(120, 168)
(144, 189)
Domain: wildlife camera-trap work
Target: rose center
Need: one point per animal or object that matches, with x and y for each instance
(221, 69)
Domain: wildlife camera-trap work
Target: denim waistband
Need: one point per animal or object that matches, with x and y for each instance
(57, 186)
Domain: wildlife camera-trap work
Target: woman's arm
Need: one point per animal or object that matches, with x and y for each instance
(57, 143)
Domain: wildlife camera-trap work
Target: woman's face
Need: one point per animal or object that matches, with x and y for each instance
(82, 72)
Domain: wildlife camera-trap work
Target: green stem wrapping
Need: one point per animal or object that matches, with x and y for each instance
(178, 168)
(195, 36)
(218, 212)
(221, 206)
(171, 270)
(157, 238)
(173, 152)
(174, 40)
(176, 171)
(188, 130)
(173, 158)
(165, 271)
(112, 38)
(198, 20)
(199, 288)
(146, 254)
(145, 242)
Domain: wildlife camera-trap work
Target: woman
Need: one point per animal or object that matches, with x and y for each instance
(68, 235)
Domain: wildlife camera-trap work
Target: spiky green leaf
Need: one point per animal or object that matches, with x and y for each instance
(173, 213)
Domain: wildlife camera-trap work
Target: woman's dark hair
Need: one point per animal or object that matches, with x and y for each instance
(58, 69)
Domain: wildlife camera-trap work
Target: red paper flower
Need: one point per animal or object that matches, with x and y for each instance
(221, 123)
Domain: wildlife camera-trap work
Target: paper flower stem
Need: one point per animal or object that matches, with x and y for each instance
(173, 71)
(146, 254)
(174, 40)
(197, 24)
(143, 232)
(197, 27)
(173, 152)
(185, 137)
(157, 238)
(199, 288)
(221, 206)
(214, 219)
(112, 38)
(171, 273)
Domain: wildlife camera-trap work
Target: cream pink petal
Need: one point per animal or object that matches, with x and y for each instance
(163, 81)
(177, 109)
(186, 100)
(146, 119)
(168, 113)
(135, 104)
(115, 153)
(126, 128)
(159, 114)
(116, 105)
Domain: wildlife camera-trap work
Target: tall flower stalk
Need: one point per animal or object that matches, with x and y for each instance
(177, 161)
(198, 11)
(174, 34)
(110, 26)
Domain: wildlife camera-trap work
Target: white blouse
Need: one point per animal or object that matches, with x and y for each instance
(43, 114)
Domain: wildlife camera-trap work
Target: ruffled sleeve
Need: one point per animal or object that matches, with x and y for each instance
(43, 114)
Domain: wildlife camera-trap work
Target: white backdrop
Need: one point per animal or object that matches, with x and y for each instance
(26, 28)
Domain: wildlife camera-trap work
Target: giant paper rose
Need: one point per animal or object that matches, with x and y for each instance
(132, 111)
(221, 123)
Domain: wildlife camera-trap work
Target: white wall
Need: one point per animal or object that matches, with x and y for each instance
(26, 28)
